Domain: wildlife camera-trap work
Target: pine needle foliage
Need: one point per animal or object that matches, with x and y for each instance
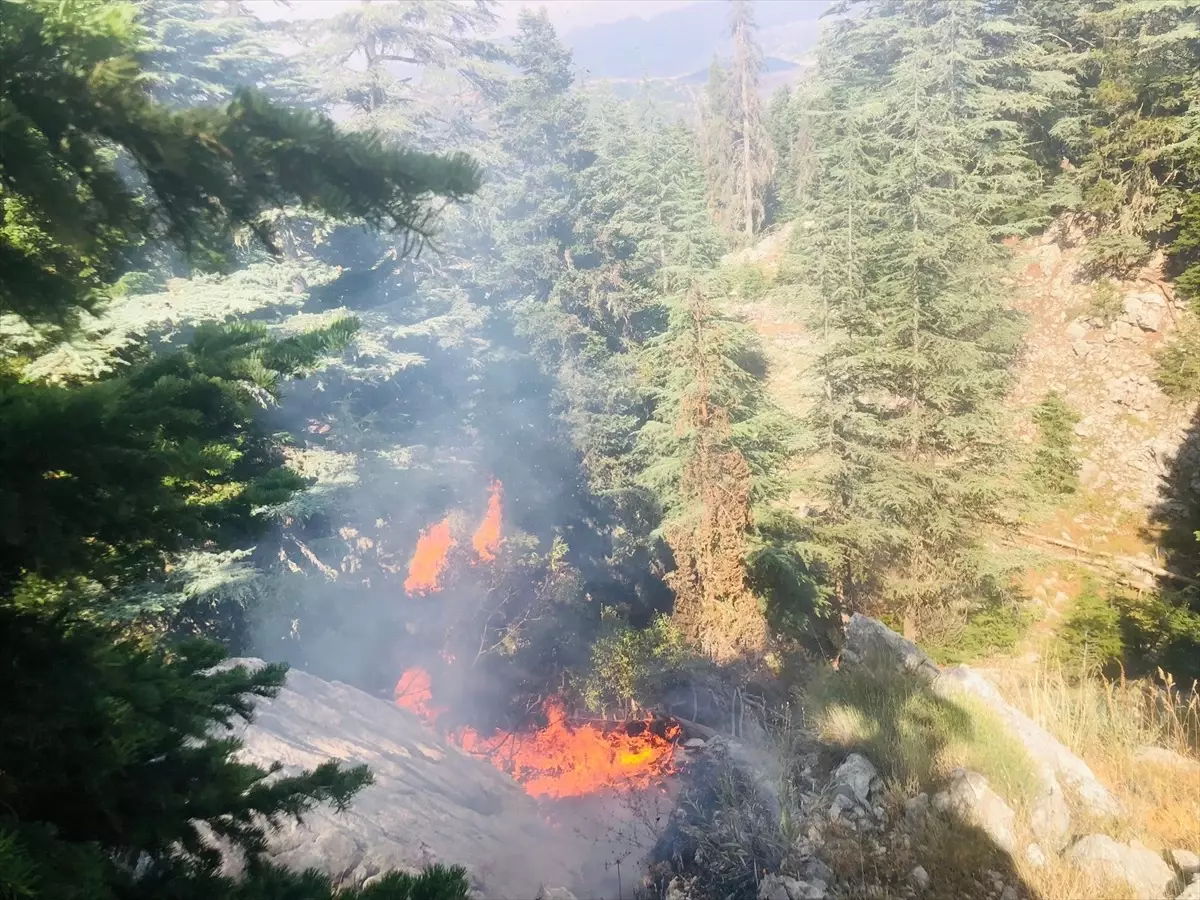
(130, 786)
(921, 166)
(73, 92)
(107, 478)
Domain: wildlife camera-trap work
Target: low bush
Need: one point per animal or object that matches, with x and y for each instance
(632, 667)
(1055, 466)
(1107, 303)
(995, 629)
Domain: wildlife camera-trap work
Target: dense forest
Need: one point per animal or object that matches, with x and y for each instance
(285, 304)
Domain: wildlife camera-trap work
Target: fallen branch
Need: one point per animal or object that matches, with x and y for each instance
(1129, 561)
(695, 729)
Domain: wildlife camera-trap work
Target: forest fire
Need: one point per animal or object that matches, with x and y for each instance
(487, 536)
(429, 559)
(560, 760)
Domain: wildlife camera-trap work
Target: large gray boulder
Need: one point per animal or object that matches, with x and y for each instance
(970, 799)
(429, 803)
(871, 644)
(1052, 760)
(1138, 866)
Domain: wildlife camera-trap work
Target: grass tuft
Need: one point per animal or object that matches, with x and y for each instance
(914, 736)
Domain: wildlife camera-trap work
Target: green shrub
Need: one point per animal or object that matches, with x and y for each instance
(631, 666)
(134, 283)
(1055, 466)
(1138, 632)
(1107, 303)
(1091, 639)
(1179, 366)
(745, 281)
(1161, 631)
(995, 629)
(1115, 254)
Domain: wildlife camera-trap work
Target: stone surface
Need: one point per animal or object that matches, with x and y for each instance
(1186, 861)
(554, 893)
(854, 777)
(1035, 856)
(1191, 892)
(872, 644)
(1160, 756)
(1051, 758)
(1145, 309)
(970, 799)
(1138, 866)
(429, 803)
(916, 811)
(774, 887)
(919, 878)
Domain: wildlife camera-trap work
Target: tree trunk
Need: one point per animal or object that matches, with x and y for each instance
(747, 180)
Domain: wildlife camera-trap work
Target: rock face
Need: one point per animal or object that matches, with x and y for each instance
(1138, 866)
(1160, 756)
(430, 803)
(1047, 752)
(871, 643)
(971, 799)
(854, 778)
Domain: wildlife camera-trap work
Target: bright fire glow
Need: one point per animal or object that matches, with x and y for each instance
(487, 535)
(414, 692)
(429, 559)
(561, 760)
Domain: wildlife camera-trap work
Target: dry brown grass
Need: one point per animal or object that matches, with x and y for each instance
(1105, 722)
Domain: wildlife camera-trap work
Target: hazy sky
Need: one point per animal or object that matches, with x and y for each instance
(565, 14)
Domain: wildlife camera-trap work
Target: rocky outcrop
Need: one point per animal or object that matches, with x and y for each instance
(872, 644)
(969, 798)
(1052, 760)
(1139, 867)
(429, 803)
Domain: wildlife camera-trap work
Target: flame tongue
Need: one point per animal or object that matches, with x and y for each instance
(414, 692)
(429, 559)
(559, 760)
(565, 761)
(487, 536)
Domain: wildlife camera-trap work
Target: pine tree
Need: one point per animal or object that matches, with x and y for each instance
(921, 168)
(200, 52)
(74, 88)
(716, 138)
(117, 776)
(370, 57)
(109, 767)
(1130, 137)
(754, 159)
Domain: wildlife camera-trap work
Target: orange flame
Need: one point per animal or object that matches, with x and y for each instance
(429, 559)
(560, 760)
(414, 692)
(487, 536)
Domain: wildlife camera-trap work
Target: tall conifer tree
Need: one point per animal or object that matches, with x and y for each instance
(921, 170)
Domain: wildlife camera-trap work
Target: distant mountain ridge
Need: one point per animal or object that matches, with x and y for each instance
(679, 43)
